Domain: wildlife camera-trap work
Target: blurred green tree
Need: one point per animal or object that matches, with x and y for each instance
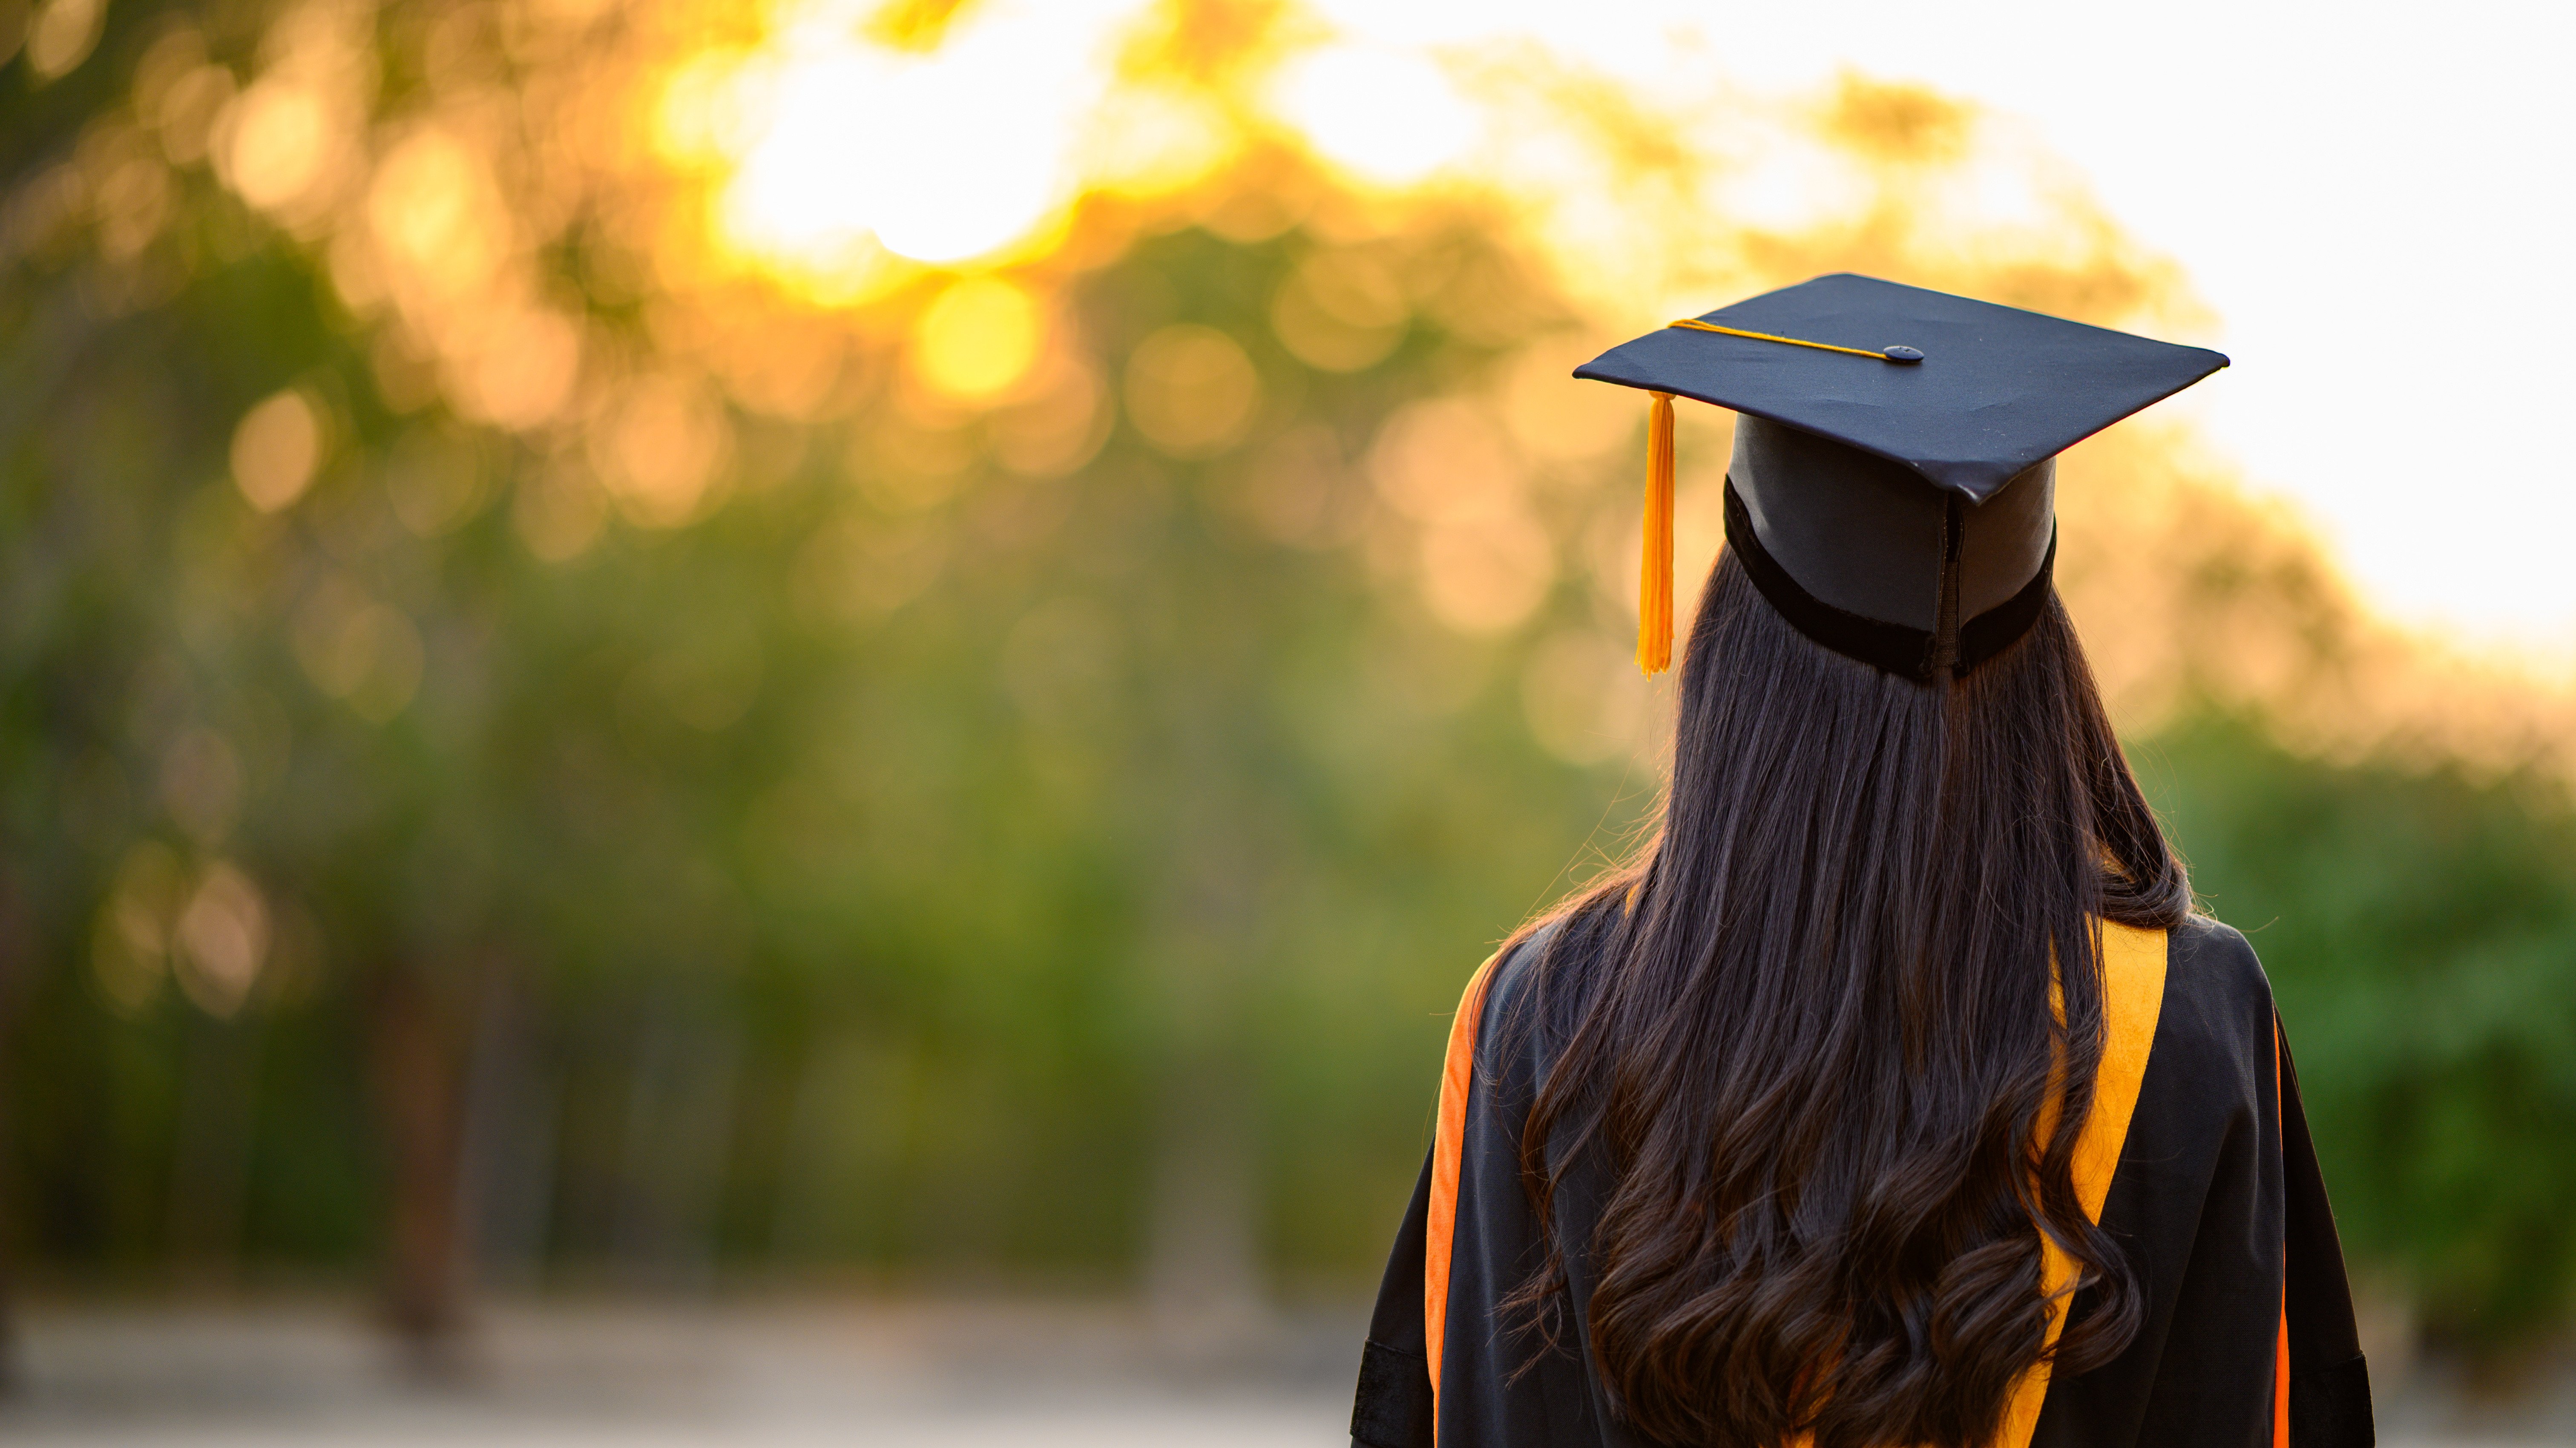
(2420, 931)
(521, 759)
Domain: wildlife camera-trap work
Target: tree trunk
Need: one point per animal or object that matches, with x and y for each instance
(210, 1170)
(17, 963)
(1203, 1275)
(420, 1033)
(1203, 1272)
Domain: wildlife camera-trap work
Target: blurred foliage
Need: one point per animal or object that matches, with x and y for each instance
(527, 750)
(2419, 927)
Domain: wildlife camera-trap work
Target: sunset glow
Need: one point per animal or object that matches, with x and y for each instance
(910, 152)
(839, 157)
(843, 159)
(1388, 115)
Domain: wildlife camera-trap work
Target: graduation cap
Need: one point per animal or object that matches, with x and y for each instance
(1893, 487)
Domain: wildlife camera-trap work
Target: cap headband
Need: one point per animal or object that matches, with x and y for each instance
(1912, 653)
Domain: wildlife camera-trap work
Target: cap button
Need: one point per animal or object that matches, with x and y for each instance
(1901, 354)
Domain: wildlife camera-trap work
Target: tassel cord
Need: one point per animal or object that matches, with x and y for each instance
(1655, 571)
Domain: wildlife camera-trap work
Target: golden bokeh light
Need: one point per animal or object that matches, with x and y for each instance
(276, 448)
(559, 513)
(1340, 311)
(1060, 426)
(222, 935)
(1487, 572)
(129, 950)
(184, 111)
(61, 35)
(978, 338)
(1152, 140)
(277, 144)
(1386, 116)
(1300, 490)
(1558, 423)
(840, 144)
(664, 451)
(1190, 390)
(1444, 460)
(434, 484)
(357, 649)
(515, 368)
(437, 217)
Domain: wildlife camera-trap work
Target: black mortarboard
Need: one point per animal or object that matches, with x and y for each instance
(1892, 490)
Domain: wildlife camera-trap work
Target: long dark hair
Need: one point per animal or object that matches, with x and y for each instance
(1807, 1036)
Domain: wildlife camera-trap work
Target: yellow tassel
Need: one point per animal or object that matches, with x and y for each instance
(1655, 572)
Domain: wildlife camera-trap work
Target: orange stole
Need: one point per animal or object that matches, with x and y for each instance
(1448, 1141)
(2281, 1343)
(2133, 973)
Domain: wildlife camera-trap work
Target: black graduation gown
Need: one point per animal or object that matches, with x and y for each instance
(2212, 1189)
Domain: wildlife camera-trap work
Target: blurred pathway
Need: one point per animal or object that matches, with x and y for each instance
(773, 1376)
(655, 1376)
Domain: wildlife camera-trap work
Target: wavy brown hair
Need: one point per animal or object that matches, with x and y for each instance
(1806, 1040)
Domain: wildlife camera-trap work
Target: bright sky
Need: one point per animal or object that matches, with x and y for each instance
(2376, 200)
